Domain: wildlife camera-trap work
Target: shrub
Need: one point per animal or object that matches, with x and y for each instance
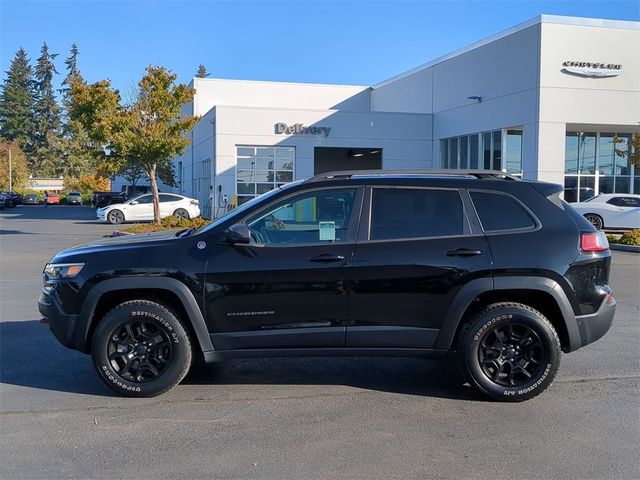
(630, 238)
(167, 223)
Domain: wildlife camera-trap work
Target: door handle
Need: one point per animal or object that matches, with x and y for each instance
(464, 252)
(326, 257)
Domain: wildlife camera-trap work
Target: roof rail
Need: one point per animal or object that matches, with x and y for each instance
(479, 174)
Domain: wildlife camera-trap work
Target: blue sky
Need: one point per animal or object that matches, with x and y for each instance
(351, 42)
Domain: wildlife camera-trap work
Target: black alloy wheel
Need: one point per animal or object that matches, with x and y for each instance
(509, 351)
(511, 355)
(139, 351)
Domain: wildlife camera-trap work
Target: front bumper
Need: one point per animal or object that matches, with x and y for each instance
(593, 327)
(61, 324)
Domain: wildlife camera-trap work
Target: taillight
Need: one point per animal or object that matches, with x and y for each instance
(594, 242)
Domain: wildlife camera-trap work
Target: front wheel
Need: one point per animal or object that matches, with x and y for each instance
(509, 352)
(140, 349)
(115, 216)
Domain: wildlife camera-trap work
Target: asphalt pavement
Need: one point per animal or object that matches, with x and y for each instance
(299, 418)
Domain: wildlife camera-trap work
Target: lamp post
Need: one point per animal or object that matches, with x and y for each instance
(10, 183)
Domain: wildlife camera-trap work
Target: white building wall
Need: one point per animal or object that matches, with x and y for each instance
(307, 96)
(401, 137)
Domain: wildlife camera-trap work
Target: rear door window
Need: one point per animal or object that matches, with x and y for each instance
(500, 212)
(401, 213)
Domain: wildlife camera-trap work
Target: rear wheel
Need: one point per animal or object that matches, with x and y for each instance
(181, 213)
(115, 216)
(595, 220)
(140, 349)
(509, 352)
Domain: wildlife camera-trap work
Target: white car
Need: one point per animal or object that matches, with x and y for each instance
(611, 210)
(140, 208)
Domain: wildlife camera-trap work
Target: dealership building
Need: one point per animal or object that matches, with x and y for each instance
(553, 99)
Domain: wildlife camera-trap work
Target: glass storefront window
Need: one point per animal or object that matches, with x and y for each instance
(453, 153)
(444, 153)
(260, 169)
(464, 152)
(514, 151)
(623, 184)
(486, 150)
(587, 153)
(571, 153)
(606, 154)
(497, 149)
(621, 147)
(473, 151)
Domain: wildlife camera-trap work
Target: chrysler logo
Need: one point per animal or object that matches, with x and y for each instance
(300, 129)
(592, 69)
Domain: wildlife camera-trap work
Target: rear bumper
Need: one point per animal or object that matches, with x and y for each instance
(61, 324)
(594, 326)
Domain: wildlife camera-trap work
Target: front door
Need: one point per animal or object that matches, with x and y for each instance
(289, 287)
(412, 257)
(142, 210)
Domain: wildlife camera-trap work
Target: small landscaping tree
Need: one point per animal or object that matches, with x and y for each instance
(145, 134)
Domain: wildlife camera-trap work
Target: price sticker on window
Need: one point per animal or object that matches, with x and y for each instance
(327, 231)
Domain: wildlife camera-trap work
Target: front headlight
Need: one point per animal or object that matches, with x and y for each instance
(62, 270)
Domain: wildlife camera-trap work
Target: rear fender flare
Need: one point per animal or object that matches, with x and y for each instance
(465, 296)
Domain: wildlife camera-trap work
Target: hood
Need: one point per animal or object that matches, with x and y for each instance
(121, 242)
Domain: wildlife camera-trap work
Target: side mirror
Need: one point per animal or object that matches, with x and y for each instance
(135, 202)
(238, 233)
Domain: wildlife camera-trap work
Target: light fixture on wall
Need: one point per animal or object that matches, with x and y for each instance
(475, 98)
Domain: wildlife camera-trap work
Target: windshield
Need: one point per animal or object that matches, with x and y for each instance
(246, 206)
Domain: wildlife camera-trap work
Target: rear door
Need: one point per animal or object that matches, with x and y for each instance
(416, 249)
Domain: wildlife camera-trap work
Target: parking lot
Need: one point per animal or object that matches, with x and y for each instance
(298, 418)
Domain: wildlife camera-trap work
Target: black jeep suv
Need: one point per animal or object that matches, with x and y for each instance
(500, 271)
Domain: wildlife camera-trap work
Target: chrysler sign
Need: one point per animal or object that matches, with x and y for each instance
(592, 69)
(300, 129)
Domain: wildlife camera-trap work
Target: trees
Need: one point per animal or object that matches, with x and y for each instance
(16, 101)
(146, 134)
(19, 169)
(46, 119)
(202, 72)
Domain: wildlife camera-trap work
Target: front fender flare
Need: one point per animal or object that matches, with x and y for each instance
(144, 283)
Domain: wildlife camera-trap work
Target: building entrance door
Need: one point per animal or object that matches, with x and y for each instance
(329, 159)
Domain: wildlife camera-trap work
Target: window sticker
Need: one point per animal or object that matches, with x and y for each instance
(327, 231)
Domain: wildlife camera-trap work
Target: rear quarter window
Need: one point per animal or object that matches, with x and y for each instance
(499, 212)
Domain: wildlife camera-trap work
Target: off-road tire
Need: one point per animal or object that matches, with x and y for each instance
(162, 323)
(498, 317)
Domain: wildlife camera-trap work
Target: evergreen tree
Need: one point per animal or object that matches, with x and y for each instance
(46, 125)
(17, 102)
(202, 72)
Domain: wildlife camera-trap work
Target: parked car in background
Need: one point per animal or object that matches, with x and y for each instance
(611, 210)
(140, 209)
(74, 198)
(53, 199)
(134, 190)
(7, 200)
(31, 199)
(102, 199)
(16, 197)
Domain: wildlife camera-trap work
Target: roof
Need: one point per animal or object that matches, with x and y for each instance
(556, 19)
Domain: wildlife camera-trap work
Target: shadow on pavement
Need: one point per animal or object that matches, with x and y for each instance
(56, 212)
(14, 232)
(30, 356)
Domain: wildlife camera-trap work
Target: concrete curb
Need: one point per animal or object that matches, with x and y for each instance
(118, 233)
(625, 248)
